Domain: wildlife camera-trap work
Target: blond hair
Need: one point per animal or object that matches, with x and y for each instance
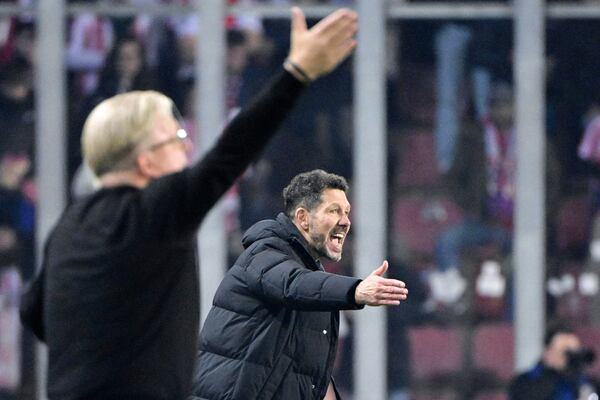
(117, 126)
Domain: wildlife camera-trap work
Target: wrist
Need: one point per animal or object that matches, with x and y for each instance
(297, 71)
(356, 294)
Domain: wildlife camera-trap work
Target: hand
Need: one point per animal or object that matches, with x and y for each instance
(320, 49)
(375, 290)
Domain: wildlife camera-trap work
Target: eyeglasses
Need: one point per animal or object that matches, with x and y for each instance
(181, 136)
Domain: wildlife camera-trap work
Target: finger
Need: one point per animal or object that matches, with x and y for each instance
(388, 303)
(341, 52)
(392, 296)
(333, 21)
(381, 270)
(392, 282)
(394, 290)
(342, 31)
(298, 20)
(390, 289)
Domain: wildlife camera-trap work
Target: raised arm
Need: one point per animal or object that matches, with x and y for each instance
(314, 52)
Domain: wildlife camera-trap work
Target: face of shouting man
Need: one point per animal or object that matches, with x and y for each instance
(326, 226)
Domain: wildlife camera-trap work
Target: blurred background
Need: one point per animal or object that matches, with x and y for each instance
(470, 134)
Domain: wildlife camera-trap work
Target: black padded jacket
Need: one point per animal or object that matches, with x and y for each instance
(272, 332)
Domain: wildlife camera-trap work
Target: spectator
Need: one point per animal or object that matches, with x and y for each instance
(589, 151)
(559, 375)
(10, 334)
(180, 41)
(90, 40)
(16, 265)
(17, 117)
(482, 182)
(16, 214)
(17, 199)
(125, 70)
(19, 40)
(482, 49)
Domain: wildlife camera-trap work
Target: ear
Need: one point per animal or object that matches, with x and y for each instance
(301, 216)
(145, 165)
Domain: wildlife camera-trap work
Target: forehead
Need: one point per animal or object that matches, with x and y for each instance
(331, 197)
(164, 123)
(565, 340)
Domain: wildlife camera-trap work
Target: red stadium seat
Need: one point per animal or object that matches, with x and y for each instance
(493, 349)
(434, 394)
(417, 164)
(418, 220)
(434, 352)
(492, 395)
(572, 224)
(590, 337)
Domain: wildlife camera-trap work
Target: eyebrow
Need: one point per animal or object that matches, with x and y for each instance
(338, 205)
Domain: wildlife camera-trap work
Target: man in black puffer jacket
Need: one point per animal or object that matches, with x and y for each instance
(273, 329)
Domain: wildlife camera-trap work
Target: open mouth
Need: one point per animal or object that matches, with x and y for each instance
(337, 241)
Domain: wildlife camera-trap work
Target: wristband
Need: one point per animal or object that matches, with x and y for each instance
(298, 72)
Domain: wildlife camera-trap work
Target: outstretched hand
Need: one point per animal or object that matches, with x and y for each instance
(320, 49)
(375, 290)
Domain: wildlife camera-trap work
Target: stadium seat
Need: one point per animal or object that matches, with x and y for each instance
(493, 350)
(417, 166)
(590, 337)
(434, 352)
(572, 225)
(492, 395)
(418, 220)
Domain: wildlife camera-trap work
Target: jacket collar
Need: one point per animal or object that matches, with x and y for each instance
(298, 242)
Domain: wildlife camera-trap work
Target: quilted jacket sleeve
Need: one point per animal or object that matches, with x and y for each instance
(281, 278)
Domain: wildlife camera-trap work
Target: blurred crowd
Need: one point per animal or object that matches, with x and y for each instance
(451, 156)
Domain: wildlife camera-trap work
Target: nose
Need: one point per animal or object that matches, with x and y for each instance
(345, 221)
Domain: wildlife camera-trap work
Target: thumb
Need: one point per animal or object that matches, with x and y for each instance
(298, 20)
(381, 270)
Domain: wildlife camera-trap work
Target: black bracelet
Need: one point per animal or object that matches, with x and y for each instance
(304, 76)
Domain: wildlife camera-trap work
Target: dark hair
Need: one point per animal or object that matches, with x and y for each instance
(305, 189)
(235, 37)
(108, 84)
(554, 329)
(16, 70)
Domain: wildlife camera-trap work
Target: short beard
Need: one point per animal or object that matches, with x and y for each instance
(318, 246)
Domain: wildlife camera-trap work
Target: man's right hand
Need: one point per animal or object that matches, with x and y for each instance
(320, 49)
(375, 290)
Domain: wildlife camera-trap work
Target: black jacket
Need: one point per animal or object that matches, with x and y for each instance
(273, 329)
(118, 301)
(543, 383)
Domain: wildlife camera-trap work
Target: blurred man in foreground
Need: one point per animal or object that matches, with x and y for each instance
(117, 301)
